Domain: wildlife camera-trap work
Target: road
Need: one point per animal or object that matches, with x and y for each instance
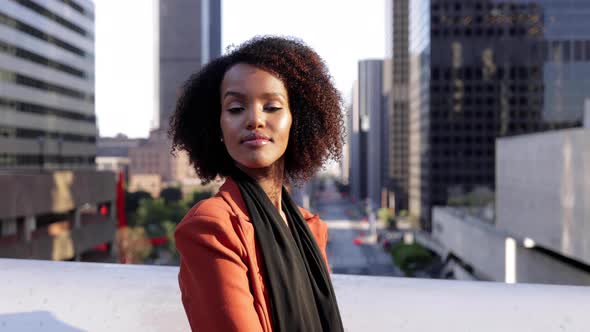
(344, 256)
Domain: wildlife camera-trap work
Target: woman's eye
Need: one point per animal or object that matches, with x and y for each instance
(273, 108)
(235, 110)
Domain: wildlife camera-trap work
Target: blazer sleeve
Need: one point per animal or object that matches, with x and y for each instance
(213, 277)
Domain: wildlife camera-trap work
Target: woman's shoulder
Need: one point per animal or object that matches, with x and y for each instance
(211, 210)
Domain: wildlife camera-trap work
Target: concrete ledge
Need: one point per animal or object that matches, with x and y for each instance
(60, 296)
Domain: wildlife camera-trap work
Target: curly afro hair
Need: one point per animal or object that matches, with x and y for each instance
(316, 106)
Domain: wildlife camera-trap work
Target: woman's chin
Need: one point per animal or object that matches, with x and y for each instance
(255, 164)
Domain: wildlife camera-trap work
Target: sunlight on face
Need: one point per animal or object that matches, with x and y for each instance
(255, 116)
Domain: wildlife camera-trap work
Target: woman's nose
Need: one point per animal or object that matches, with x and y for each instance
(255, 118)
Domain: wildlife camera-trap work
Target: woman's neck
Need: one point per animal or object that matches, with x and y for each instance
(270, 179)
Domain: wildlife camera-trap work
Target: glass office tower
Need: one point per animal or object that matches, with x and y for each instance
(486, 69)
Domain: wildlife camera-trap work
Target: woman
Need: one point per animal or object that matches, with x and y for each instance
(264, 116)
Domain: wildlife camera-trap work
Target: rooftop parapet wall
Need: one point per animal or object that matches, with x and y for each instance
(59, 296)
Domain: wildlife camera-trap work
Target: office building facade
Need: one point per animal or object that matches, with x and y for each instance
(397, 176)
(55, 205)
(486, 69)
(47, 117)
(189, 37)
(368, 141)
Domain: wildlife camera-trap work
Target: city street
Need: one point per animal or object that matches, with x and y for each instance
(344, 256)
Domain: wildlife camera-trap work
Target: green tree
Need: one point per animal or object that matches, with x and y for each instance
(171, 195)
(132, 200)
(151, 214)
(199, 195)
(410, 258)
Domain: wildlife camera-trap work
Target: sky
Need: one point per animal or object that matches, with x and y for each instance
(342, 33)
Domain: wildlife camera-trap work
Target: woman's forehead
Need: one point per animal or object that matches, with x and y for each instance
(244, 79)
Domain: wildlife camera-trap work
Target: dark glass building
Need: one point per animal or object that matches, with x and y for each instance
(486, 69)
(397, 176)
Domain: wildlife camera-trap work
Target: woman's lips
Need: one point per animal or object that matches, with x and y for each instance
(257, 142)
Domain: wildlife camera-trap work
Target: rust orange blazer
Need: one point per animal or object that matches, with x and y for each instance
(220, 277)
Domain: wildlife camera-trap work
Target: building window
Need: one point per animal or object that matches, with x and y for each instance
(53, 17)
(578, 48)
(23, 27)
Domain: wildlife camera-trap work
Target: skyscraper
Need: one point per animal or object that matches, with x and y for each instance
(189, 37)
(47, 84)
(368, 138)
(397, 176)
(486, 69)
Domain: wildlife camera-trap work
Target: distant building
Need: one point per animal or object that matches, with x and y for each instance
(397, 81)
(540, 230)
(356, 139)
(189, 37)
(148, 182)
(53, 204)
(345, 161)
(56, 215)
(153, 167)
(485, 69)
(113, 153)
(47, 117)
(369, 135)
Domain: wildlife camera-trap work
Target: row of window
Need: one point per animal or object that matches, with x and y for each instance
(482, 5)
(47, 111)
(561, 51)
(467, 167)
(38, 59)
(464, 179)
(12, 77)
(520, 19)
(72, 4)
(477, 73)
(54, 17)
(489, 101)
(491, 89)
(489, 32)
(7, 159)
(23, 27)
(42, 135)
(438, 114)
(467, 140)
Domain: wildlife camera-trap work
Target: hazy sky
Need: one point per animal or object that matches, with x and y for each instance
(342, 32)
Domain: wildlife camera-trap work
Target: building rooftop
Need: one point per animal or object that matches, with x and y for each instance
(66, 296)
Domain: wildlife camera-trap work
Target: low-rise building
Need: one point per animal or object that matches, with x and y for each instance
(542, 219)
(57, 215)
(113, 153)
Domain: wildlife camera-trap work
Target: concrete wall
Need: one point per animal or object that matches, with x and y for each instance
(485, 248)
(30, 193)
(474, 242)
(62, 246)
(543, 190)
(52, 297)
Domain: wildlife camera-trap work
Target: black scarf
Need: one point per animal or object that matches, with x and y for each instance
(299, 287)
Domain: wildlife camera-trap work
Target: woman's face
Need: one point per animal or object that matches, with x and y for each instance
(255, 116)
